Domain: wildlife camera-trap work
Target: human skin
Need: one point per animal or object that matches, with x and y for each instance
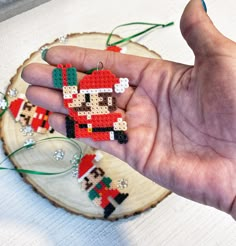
(180, 118)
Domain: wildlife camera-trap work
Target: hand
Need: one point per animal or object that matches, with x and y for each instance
(181, 119)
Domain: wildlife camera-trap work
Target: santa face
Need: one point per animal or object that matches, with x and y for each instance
(92, 179)
(93, 104)
(27, 114)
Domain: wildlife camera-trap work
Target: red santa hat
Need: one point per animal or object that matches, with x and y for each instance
(16, 107)
(117, 49)
(102, 81)
(114, 48)
(86, 165)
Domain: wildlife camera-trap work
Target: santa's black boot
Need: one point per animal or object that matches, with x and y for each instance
(121, 137)
(121, 197)
(108, 210)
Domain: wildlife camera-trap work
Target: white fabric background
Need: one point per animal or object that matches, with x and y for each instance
(28, 219)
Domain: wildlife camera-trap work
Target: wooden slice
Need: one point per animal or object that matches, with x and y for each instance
(64, 190)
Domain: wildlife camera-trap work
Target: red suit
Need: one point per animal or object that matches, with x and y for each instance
(30, 115)
(102, 190)
(40, 120)
(97, 127)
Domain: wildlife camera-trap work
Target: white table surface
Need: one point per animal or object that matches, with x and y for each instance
(28, 219)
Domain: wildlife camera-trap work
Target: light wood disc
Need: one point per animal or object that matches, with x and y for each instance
(64, 190)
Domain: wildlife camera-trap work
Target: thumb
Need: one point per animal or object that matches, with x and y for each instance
(198, 30)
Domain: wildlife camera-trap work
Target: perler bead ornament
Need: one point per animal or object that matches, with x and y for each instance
(99, 187)
(30, 115)
(91, 105)
(113, 48)
(116, 49)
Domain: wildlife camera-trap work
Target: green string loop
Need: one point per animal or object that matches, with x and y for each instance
(27, 171)
(153, 26)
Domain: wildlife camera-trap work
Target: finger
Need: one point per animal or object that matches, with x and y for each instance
(41, 74)
(198, 30)
(122, 99)
(52, 100)
(57, 121)
(49, 99)
(85, 59)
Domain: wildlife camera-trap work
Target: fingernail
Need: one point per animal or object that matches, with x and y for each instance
(43, 54)
(204, 5)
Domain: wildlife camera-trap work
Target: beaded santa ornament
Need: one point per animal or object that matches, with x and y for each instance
(99, 187)
(91, 104)
(30, 115)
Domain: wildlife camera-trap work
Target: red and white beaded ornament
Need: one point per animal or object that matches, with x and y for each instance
(91, 104)
(30, 115)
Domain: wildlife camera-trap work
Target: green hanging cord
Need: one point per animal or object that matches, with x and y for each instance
(6, 107)
(28, 146)
(153, 26)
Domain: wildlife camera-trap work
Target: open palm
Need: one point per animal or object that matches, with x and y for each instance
(181, 119)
